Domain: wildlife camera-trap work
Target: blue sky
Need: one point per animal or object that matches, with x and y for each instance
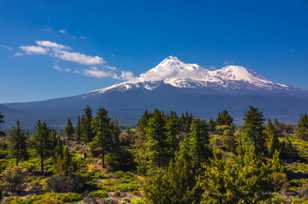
(56, 48)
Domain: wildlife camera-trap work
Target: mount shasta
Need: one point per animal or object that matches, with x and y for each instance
(173, 85)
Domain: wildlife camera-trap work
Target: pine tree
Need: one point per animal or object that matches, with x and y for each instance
(224, 118)
(172, 134)
(199, 141)
(302, 127)
(156, 134)
(78, 130)
(43, 143)
(103, 134)
(18, 143)
(178, 183)
(67, 162)
(185, 121)
(69, 129)
(1, 121)
(254, 127)
(272, 136)
(86, 125)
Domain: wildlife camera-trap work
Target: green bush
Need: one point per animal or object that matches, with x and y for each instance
(99, 194)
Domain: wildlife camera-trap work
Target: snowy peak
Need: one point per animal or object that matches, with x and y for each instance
(173, 72)
(171, 68)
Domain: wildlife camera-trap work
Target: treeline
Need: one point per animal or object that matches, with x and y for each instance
(184, 159)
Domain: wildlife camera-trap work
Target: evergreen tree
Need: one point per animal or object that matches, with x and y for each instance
(1, 121)
(86, 125)
(172, 134)
(302, 127)
(43, 142)
(224, 118)
(78, 130)
(199, 141)
(18, 143)
(153, 152)
(176, 184)
(254, 127)
(156, 136)
(103, 134)
(185, 121)
(66, 162)
(142, 123)
(228, 139)
(272, 136)
(69, 129)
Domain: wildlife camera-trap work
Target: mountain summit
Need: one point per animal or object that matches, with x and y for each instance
(174, 72)
(177, 86)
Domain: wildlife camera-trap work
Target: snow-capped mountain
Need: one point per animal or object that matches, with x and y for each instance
(173, 72)
(172, 85)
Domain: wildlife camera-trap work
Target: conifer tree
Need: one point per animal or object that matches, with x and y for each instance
(69, 129)
(272, 136)
(103, 134)
(18, 143)
(199, 141)
(224, 118)
(86, 125)
(78, 130)
(143, 121)
(185, 120)
(1, 121)
(43, 142)
(172, 134)
(156, 136)
(254, 127)
(178, 183)
(66, 162)
(302, 127)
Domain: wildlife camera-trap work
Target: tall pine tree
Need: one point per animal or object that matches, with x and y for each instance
(18, 143)
(224, 118)
(103, 134)
(254, 127)
(87, 134)
(272, 136)
(69, 129)
(43, 142)
(302, 127)
(78, 130)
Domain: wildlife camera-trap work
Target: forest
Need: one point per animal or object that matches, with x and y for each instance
(167, 158)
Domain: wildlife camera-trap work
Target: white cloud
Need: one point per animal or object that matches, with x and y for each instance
(98, 73)
(63, 52)
(78, 57)
(60, 51)
(114, 74)
(49, 44)
(32, 49)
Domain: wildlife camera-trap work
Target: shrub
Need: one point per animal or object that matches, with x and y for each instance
(99, 194)
(63, 184)
(13, 180)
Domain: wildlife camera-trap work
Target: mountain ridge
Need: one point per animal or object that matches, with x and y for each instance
(172, 85)
(176, 73)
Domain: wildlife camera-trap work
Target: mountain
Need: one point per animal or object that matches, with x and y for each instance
(178, 74)
(174, 85)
